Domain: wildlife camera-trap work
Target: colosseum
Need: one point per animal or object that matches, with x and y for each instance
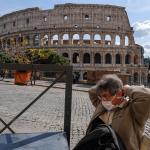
(95, 38)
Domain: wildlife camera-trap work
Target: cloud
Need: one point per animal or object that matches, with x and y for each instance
(146, 52)
(142, 29)
(147, 46)
(142, 35)
(147, 49)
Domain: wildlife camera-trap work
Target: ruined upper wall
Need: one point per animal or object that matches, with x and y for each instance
(104, 17)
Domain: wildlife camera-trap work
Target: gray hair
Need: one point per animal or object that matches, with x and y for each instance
(110, 82)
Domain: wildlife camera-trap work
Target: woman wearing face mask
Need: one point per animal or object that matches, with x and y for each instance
(125, 108)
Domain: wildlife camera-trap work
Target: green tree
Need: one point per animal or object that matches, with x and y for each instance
(42, 56)
(6, 58)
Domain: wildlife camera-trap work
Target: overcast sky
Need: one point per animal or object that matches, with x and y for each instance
(138, 12)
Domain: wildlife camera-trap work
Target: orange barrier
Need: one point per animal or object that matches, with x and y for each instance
(22, 77)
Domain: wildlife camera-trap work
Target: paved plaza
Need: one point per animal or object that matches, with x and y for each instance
(48, 112)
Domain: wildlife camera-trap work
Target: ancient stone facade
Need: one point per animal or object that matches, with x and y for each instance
(93, 37)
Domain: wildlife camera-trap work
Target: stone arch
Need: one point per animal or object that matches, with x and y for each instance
(76, 39)
(135, 77)
(4, 43)
(136, 59)
(36, 40)
(97, 39)
(20, 40)
(118, 59)
(27, 40)
(44, 40)
(128, 59)
(55, 39)
(117, 40)
(86, 58)
(65, 55)
(65, 39)
(86, 17)
(143, 78)
(129, 77)
(148, 78)
(108, 59)
(76, 58)
(13, 41)
(126, 40)
(86, 39)
(97, 58)
(85, 76)
(65, 17)
(8, 43)
(107, 39)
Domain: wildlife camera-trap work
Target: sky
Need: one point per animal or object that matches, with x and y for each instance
(138, 12)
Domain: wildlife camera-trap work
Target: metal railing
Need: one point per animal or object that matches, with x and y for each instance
(64, 70)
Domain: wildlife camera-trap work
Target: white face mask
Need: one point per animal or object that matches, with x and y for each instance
(108, 105)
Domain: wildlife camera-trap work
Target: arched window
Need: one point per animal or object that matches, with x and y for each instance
(65, 39)
(86, 39)
(36, 40)
(107, 39)
(97, 39)
(55, 39)
(20, 40)
(143, 78)
(85, 76)
(65, 55)
(11, 42)
(148, 79)
(129, 79)
(8, 43)
(76, 39)
(27, 40)
(107, 59)
(86, 17)
(127, 59)
(4, 43)
(97, 58)
(118, 59)
(136, 77)
(44, 40)
(126, 41)
(76, 58)
(117, 40)
(65, 17)
(86, 58)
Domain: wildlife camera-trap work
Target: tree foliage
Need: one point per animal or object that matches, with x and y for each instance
(35, 56)
(42, 56)
(6, 58)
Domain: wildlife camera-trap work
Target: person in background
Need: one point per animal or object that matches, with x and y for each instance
(126, 108)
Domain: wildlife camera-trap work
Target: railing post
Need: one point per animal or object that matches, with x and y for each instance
(68, 102)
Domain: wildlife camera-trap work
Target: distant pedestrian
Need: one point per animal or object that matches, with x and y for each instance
(2, 74)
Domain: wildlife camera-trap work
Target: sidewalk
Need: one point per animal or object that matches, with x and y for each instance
(61, 85)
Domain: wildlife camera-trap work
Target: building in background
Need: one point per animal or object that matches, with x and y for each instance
(97, 39)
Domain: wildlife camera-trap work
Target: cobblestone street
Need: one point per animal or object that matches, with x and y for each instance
(48, 112)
